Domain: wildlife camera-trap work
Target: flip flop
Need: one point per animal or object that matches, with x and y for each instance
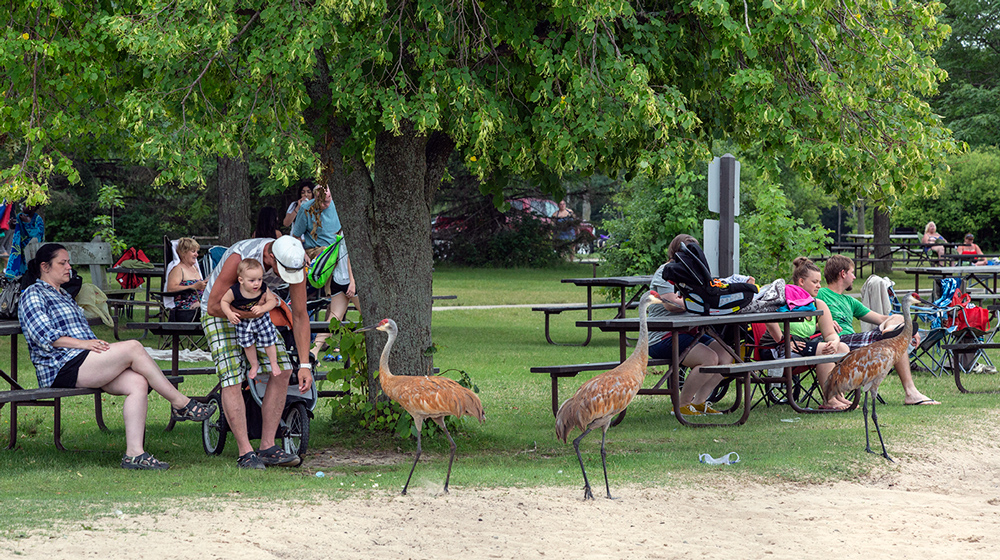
(925, 402)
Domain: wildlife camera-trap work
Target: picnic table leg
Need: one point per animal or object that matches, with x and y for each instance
(99, 413)
(555, 393)
(57, 428)
(13, 426)
(175, 348)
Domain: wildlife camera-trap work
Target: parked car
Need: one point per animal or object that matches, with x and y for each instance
(445, 228)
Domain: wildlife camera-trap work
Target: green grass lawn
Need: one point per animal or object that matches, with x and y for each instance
(516, 446)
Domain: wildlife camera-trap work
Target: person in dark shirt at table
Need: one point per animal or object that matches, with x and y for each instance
(705, 351)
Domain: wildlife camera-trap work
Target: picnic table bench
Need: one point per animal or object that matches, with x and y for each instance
(557, 372)
(748, 373)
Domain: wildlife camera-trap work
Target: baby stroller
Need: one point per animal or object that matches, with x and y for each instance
(293, 430)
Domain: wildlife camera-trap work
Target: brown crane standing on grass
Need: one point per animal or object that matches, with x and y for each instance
(425, 397)
(598, 401)
(866, 367)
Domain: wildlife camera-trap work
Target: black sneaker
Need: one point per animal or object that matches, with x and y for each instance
(250, 461)
(276, 457)
(144, 462)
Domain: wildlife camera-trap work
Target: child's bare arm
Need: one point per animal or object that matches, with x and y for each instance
(268, 301)
(227, 308)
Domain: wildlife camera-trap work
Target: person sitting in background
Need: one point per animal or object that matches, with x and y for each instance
(968, 247)
(67, 354)
(931, 237)
(186, 275)
(704, 351)
(267, 224)
(806, 275)
(305, 195)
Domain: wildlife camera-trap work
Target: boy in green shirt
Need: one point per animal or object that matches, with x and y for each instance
(839, 274)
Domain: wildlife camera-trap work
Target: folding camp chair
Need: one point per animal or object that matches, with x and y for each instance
(805, 388)
(168, 311)
(937, 316)
(971, 325)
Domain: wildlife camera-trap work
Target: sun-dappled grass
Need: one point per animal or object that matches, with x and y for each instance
(516, 446)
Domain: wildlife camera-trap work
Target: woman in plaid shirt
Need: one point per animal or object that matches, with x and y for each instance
(66, 353)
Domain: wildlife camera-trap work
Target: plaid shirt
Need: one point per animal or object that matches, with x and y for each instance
(46, 314)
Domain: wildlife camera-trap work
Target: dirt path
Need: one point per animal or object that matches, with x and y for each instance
(943, 499)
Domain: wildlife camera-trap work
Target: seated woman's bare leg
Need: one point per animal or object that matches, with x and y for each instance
(101, 368)
(135, 390)
(698, 385)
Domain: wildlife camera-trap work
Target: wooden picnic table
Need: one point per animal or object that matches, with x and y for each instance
(149, 274)
(622, 283)
(704, 324)
(968, 274)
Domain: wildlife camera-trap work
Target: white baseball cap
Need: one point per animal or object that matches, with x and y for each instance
(290, 257)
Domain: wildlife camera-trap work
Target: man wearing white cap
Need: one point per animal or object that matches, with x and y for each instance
(284, 261)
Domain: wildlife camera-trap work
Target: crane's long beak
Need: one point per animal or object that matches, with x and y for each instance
(371, 328)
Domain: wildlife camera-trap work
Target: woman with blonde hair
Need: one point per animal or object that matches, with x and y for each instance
(930, 237)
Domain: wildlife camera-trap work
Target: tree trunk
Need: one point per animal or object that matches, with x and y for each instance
(235, 221)
(860, 207)
(880, 239)
(386, 215)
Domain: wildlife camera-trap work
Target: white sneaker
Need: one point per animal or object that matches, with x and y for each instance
(978, 368)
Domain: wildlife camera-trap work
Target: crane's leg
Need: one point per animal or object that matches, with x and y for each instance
(440, 422)
(415, 459)
(879, 432)
(587, 494)
(864, 411)
(604, 462)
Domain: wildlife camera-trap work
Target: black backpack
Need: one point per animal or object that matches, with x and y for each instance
(702, 293)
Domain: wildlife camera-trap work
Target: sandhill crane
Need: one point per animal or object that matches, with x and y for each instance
(425, 397)
(598, 401)
(866, 367)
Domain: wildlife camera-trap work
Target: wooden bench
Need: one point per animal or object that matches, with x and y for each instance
(550, 310)
(557, 372)
(959, 350)
(750, 373)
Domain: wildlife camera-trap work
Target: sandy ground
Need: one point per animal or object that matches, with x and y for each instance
(943, 498)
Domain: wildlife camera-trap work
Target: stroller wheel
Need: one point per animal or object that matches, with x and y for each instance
(213, 430)
(296, 438)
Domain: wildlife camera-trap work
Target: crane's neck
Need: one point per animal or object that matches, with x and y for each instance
(904, 307)
(383, 362)
(641, 352)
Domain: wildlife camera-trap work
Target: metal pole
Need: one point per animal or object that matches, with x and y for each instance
(727, 217)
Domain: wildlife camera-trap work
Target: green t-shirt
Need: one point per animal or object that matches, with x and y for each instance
(803, 329)
(843, 309)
